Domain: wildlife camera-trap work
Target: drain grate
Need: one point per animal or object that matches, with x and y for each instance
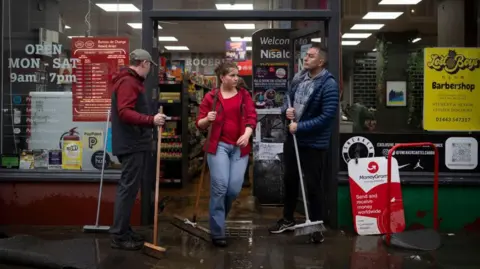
(239, 232)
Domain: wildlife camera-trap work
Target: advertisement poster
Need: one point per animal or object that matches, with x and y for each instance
(99, 59)
(457, 152)
(270, 85)
(245, 68)
(396, 93)
(72, 155)
(236, 51)
(369, 195)
(451, 89)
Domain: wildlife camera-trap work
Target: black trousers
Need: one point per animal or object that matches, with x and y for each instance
(134, 167)
(312, 162)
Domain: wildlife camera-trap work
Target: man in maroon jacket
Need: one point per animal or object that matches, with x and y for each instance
(132, 125)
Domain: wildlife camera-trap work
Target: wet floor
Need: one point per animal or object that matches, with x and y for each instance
(253, 247)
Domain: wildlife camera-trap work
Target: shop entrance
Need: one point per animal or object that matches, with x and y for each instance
(320, 26)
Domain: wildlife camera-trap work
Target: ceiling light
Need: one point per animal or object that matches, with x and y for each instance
(239, 39)
(138, 25)
(399, 2)
(356, 35)
(382, 15)
(67, 27)
(176, 48)
(374, 49)
(416, 40)
(350, 42)
(234, 6)
(317, 40)
(118, 7)
(249, 48)
(239, 26)
(167, 38)
(367, 26)
(72, 36)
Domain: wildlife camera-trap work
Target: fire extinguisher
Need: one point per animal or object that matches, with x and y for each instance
(71, 135)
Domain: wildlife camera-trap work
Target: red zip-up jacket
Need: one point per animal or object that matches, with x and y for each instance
(247, 112)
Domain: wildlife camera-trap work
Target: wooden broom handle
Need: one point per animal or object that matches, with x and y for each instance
(157, 181)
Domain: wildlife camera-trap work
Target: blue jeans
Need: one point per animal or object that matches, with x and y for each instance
(227, 170)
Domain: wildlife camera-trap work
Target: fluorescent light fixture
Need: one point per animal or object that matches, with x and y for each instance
(382, 15)
(176, 48)
(240, 26)
(138, 25)
(118, 7)
(399, 2)
(239, 39)
(356, 35)
(67, 27)
(234, 6)
(316, 40)
(367, 26)
(249, 48)
(416, 40)
(375, 49)
(72, 36)
(350, 42)
(167, 38)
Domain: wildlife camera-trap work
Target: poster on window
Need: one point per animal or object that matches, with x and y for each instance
(270, 85)
(99, 59)
(457, 152)
(236, 51)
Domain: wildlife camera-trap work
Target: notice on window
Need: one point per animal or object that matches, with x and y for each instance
(369, 195)
(269, 151)
(452, 89)
(98, 60)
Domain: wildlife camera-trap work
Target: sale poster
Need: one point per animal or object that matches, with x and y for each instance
(368, 191)
(270, 85)
(72, 155)
(98, 59)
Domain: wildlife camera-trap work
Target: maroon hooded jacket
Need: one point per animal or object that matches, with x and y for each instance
(132, 123)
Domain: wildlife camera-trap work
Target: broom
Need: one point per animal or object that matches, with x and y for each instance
(154, 250)
(185, 224)
(309, 227)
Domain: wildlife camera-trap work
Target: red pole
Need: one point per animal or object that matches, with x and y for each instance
(389, 180)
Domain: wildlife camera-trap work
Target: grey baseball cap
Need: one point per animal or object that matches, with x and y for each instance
(141, 55)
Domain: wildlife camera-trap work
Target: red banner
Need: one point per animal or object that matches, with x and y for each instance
(245, 68)
(98, 60)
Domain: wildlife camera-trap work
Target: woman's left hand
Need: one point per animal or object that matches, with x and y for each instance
(243, 140)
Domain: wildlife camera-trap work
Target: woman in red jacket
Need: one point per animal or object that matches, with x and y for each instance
(230, 112)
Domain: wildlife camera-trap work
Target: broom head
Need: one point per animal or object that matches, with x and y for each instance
(151, 250)
(192, 228)
(309, 227)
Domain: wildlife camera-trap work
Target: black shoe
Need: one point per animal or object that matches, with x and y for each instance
(221, 243)
(282, 226)
(137, 237)
(128, 244)
(317, 238)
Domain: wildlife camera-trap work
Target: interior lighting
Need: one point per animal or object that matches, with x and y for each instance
(367, 26)
(382, 15)
(167, 38)
(239, 39)
(239, 26)
(350, 42)
(234, 6)
(356, 35)
(399, 2)
(416, 40)
(176, 48)
(118, 7)
(138, 25)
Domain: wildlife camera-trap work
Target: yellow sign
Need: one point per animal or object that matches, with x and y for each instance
(451, 89)
(93, 140)
(72, 155)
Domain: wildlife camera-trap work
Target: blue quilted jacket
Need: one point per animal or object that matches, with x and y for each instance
(315, 126)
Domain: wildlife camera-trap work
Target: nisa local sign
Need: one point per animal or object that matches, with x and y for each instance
(274, 54)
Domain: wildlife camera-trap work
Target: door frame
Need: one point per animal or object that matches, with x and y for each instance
(331, 19)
